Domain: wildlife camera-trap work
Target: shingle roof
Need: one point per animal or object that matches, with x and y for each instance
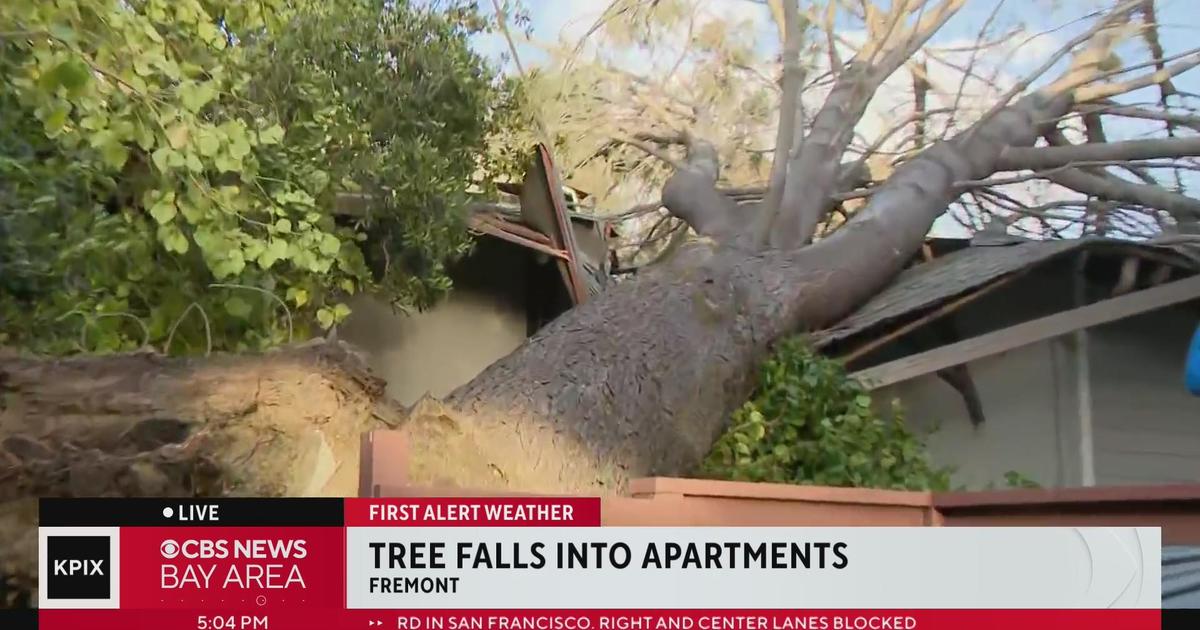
(955, 274)
(1181, 577)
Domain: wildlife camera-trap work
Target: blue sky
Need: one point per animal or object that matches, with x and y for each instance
(1180, 31)
(1180, 19)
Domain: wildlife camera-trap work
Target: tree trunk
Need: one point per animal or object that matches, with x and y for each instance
(285, 423)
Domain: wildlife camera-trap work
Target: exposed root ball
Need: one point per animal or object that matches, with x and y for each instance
(284, 423)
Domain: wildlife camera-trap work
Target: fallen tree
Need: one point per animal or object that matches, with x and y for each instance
(284, 423)
(638, 381)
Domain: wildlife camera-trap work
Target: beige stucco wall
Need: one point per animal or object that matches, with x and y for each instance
(437, 350)
(484, 318)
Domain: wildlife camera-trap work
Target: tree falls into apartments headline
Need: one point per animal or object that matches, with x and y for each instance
(405, 556)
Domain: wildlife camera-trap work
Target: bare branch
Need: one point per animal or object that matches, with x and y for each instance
(691, 194)
(1116, 189)
(921, 85)
(651, 150)
(811, 173)
(1107, 90)
(1083, 66)
(1183, 120)
(1150, 36)
(1037, 158)
(793, 78)
(835, 63)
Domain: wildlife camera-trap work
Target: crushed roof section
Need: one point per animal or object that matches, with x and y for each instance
(960, 272)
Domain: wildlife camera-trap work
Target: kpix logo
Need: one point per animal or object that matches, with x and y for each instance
(78, 567)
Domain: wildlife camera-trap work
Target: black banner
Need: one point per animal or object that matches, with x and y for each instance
(1181, 619)
(225, 512)
(18, 619)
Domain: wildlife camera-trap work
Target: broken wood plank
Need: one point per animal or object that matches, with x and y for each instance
(484, 227)
(1030, 332)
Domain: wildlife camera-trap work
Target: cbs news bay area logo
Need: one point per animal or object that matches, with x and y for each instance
(181, 573)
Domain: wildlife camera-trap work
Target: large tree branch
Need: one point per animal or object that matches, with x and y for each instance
(793, 77)
(1040, 158)
(812, 171)
(691, 193)
(896, 219)
(1116, 189)
(898, 216)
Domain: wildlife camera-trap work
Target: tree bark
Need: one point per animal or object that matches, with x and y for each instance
(286, 423)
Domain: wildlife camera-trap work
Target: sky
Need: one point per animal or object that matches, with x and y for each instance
(1180, 31)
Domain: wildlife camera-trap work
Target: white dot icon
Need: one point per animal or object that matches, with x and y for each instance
(168, 512)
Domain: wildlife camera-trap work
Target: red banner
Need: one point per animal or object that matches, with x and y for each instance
(250, 619)
(236, 567)
(474, 512)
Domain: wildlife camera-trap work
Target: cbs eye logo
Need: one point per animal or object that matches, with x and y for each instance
(169, 549)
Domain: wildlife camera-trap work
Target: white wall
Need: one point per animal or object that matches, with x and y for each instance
(1027, 397)
(1147, 425)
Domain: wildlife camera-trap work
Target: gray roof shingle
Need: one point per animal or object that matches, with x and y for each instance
(955, 274)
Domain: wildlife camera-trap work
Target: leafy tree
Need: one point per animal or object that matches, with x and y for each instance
(172, 169)
(809, 423)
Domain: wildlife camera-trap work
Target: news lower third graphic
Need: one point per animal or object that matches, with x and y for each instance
(547, 564)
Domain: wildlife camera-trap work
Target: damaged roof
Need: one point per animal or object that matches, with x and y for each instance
(543, 223)
(941, 279)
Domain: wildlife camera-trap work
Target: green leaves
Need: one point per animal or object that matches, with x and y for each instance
(327, 317)
(163, 208)
(238, 307)
(208, 142)
(809, 423)
(72, 74)
(114, 154)
(222, 163)
(173, 239)
(238, 143)
(178, 135)
(275, 251)
(271, 135)
(195, 96)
